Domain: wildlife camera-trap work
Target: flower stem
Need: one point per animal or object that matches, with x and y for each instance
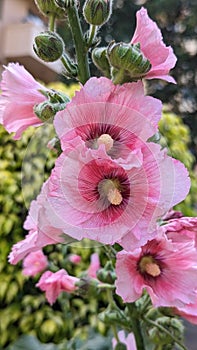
(80, 45)
(52, 22)
(92, 33)
(163, 329)
(136, 327)
(111, 303)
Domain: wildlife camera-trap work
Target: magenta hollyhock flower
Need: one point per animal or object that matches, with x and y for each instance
(103, 113)
(165, 268)
(149, 36)
(34, 241)
(20, 93)
(92, 196)
(94, 265)
(129, 341)
(34, 263)
(55, 283)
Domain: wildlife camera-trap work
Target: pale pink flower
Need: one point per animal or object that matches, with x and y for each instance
(55, 283)
(20, 92)
(34, 263)
(129, 341)
(118, 117)
(75, 258)
(166, 269)
(35, 241)
(92, 196)
(149, 36)
(189, 312)
(94, 265)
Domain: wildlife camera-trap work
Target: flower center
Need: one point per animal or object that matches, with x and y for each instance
(106, 140)
(148, 265)
(110, 189)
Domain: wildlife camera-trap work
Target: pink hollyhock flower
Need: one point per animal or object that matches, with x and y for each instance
(34, 263)
(34, 241)
(55, 283)
(183, 228)
(94, 265)
(129, 341)
(75, 258)
(92, 196)
(149, 36)
(119, 117)
(165, 268)
(20, 93)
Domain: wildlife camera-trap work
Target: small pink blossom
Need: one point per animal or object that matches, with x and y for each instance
(149, 36)
(20, 92)
(55, 283)
(35, 240)
(75, 258)
(103, 113)
(129, 341)
(92, 196)
(165, 268)
(94, 265)
(34, 263)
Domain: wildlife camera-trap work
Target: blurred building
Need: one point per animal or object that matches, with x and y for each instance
(20, 21)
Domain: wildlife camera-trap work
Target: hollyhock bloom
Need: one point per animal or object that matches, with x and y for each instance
(34, 241)
(94, 265)
(75, 258)
(20, 92)
(34, 263)
(149, 36)
(92, 196)
(165, 268)
(129, 341)
(55, 283)
(184, 228)
(103, 113)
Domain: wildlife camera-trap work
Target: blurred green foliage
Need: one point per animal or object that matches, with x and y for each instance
(24, 309)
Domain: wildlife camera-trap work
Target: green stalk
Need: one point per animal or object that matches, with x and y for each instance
(136, 327)
(80, 45)
(92, 34)
(52, 22)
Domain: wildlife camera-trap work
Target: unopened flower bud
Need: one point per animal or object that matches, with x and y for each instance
(48, 46)
(48, 7)
(107, 274)
(129, 59)
(56, 102)
(87, 287)
(97, 12)
(99, 57)
(65, 3)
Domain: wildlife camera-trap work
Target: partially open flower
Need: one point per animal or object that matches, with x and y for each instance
(55, 283)
(20, 92)
(34, 263)
(161, 57)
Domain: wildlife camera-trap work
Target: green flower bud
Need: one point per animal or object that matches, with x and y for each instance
(64, 3)
(87, 287)
(99, 57)
(48, 7)
(97, 12)
(107, 274)
(56, 102)
(120, 346)
(129, 59)
(48, 46)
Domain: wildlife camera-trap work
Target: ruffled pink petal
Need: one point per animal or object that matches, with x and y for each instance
(149, 36)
